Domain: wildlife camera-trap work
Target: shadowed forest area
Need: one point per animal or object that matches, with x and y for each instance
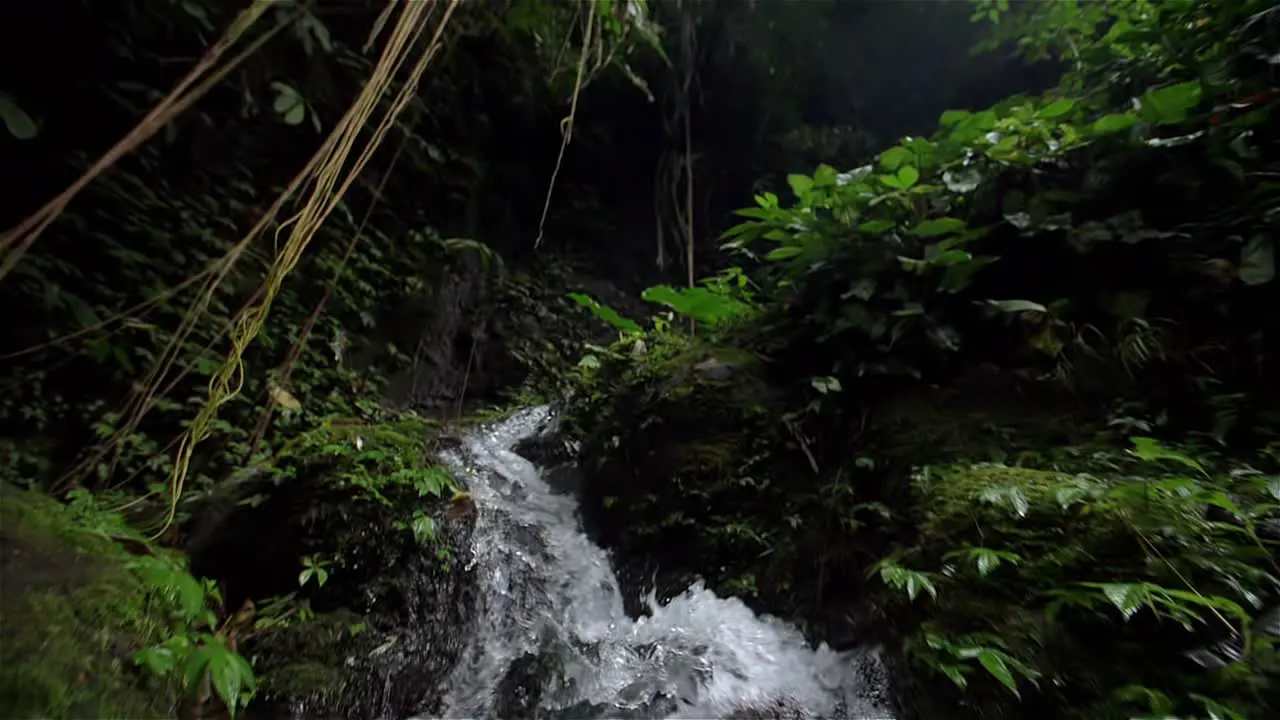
(941, 333)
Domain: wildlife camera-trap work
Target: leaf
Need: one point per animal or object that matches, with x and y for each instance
(288, 104)
(1258, 261)
(986, 561)
(785, 252)
(1115, 122)
(1017, 306)
(994, 664)
(606, 314)
(895, 157)
(1128, 598)
(908, 176)
(1009, 496)
(1172, 103)
(825, 385)
(296, 115)
(876, 226)
(955, 673)
(1057, 108)
(938, 226)
(800, 185)
(16, 120)
(226, 678)
(1149, 450)
(952, 117)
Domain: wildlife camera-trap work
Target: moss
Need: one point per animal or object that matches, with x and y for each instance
(70, 613)
(302, 679)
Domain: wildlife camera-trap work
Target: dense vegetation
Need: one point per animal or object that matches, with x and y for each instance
(955, 378)
(1001, 397)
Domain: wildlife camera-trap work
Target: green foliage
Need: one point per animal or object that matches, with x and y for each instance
(102, 593)
(370, 462)
(1059, 553)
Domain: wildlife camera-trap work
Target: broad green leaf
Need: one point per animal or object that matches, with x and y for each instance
(876, 226)
(938, 226)
(994, 664)
(800, 185)
(158, 660)
(1171, 104)
(224, 676)
(892, 181)
(1115, 122)
(895, 157)
(951, 117)
(785, 252)
(1148, 449)
(908, 176)
(16, 120)
(606, 313)
(1057, 108)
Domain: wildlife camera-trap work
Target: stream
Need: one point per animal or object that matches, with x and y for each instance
(552, 639)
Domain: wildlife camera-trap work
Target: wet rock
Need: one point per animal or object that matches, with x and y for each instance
(773, 709)
(522, 689)
(71, 612)
(394, 610)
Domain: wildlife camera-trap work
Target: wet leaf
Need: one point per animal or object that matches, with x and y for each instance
(785, 252)
(938, 226)
(1057, 108)
(1017, 306)
(895, 157)
(1258, 261)
(16, 120)
(994, 664)
(1115, 122)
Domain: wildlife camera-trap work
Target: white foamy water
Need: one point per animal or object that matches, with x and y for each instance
(553, 641)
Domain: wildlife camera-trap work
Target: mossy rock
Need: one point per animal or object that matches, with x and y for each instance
(71, 612)
(680, 448)
(390, 613)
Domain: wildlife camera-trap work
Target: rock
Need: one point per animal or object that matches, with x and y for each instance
(396, 604)
(71, 612)
(774, 709)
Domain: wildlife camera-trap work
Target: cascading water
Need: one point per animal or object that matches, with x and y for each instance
(552, 639)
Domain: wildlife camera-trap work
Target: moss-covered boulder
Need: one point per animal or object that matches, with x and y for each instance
(684, 451)
(353, 550)
(1046, 594)
(71, 614)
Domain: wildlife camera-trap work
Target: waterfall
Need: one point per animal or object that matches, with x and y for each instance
(552, 640)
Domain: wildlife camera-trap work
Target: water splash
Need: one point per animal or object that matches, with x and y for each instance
(552, 639)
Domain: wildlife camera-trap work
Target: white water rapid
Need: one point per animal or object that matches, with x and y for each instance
(552, 639)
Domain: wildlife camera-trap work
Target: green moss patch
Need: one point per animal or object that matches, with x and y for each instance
(71, 612)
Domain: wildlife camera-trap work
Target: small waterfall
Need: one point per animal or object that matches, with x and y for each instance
(552, 639)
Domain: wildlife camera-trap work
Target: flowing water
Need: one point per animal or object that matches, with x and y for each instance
(552, 639)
